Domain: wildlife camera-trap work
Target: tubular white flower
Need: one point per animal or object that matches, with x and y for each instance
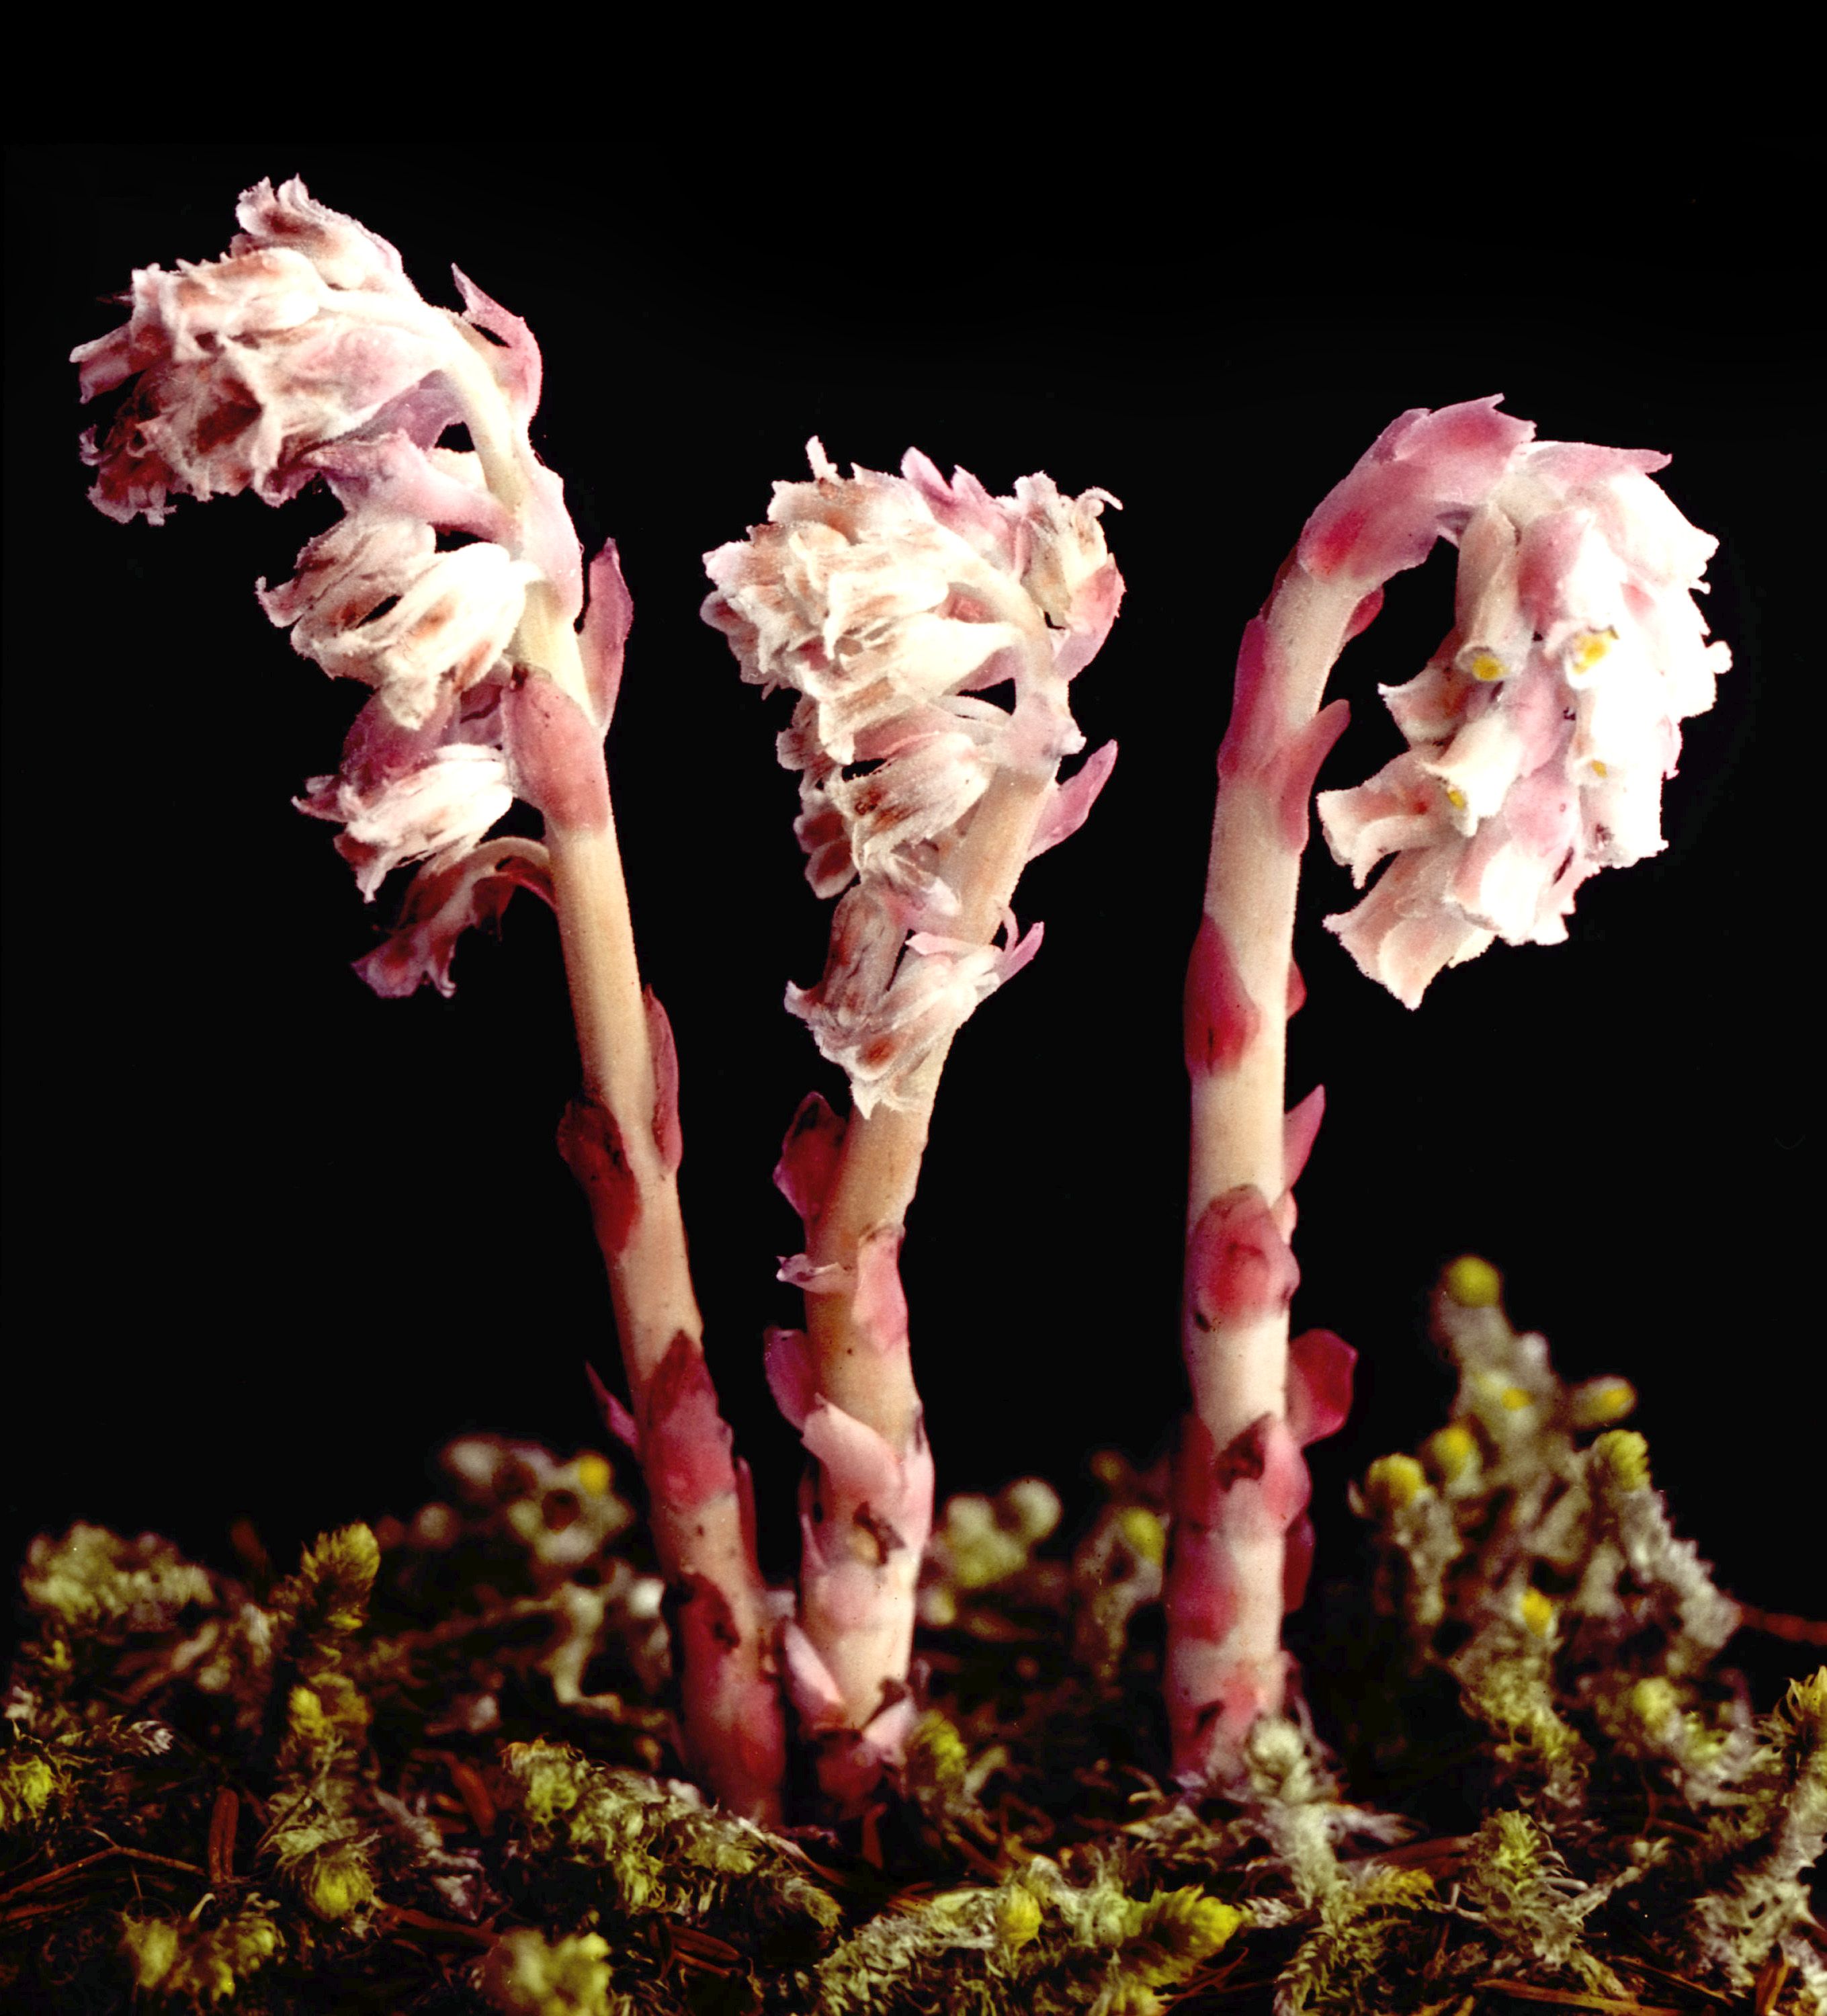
(890, 604)
(452, 618)
(1540, 733)
(435, 813)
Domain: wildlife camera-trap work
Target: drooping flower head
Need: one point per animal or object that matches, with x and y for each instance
(892, 606)
(1539, 734)
(305, 354)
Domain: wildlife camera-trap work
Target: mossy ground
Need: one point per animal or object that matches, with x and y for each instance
(432, 1769)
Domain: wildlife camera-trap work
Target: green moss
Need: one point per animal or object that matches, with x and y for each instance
(1517, 1881)
(94, 1581)
(1340, 1964)
(1039, 1943)
(307, 1810)
(1754, 1857)
(648, 1848)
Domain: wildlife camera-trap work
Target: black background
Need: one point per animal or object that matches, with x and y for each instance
(273, 1240)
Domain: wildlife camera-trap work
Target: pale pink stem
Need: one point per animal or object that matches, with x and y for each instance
(849, 1384)
(1242, 1545)
(1240, 1483)
(621, 1139)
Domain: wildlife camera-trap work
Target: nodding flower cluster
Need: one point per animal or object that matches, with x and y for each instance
(892, 606)
(307, 353)
(1539, 732)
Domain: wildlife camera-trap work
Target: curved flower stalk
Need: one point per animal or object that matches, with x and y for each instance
(1539, 735)
(893, 605)
(453, 587)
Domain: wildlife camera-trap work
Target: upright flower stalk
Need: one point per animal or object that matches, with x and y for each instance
(306, 353)
(891, 605)
(1540, 733)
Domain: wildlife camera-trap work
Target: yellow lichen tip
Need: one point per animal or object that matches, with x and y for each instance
(1537, 1612)
(1486, 665)
(594, 1475)
(1513, 1399)
(151, 1945)
(525, 1976)
(1652, 1702)
(1622, 1458)
(1018, 1917)
(551, 1778)
(1473, 1284)
(1184, 1928)
(937, 1753)
(336, 1884)
(1451, 1452)
(938, 1607)
(1455, 797)
(27, 1784)
(1032, 1506)
(1596, 1403)
(304, 1714)
(338, 1570)
(1393, 1481)
(1143, 1533)
(1807, 1702)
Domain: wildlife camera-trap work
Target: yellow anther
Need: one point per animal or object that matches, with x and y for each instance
(1455, 798)
(1487, 665)
(1513, 1399)
(1142, 1530)
(1597, 768)
(1622, 1458)
(1591, 648)
(1451, 1452)
(1393, 1481)
(1597, 1402)
(594, 1475)
(1537, 1612)
(1473, 1284)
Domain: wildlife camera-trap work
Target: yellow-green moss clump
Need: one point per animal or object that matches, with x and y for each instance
(205, 1965)
(425, 1769)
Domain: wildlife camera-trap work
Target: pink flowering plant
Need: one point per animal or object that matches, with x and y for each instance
(930, 633)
